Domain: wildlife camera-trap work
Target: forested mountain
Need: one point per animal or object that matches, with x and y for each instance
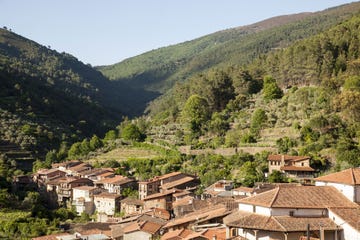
(48, 97)
(160, 69)
(303, 99)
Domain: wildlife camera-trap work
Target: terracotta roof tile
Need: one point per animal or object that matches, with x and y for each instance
(176, 234)
(151, 227)
(169, 175)
(300, 197)
(118, 179)
(200, 216)
(146, 226)
(174, 184)
(220, 233)
(159, 195)
(159, 213)
(278, 223)
(85, 188)
(349, 176)
(296, 168)
(107, 195)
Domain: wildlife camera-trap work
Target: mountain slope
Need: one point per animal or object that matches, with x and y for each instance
(158, 70)
(47, 97)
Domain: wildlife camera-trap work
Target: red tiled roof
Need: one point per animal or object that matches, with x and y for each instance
(300, 197)
(159, 213)
(287, 158)
(169, 175)
(159, 195)
(199, 216)
(85, 188)
(145, 226)
(220, 233)
(278, 223)
(296, 168)
(174, 184)
(176, 234)
(118, 179)
(107, 195)
(349, 176)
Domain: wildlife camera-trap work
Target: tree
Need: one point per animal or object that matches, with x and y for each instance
(75, 150)
(95, 143)
(110, 135)
(196, 113)
(257, 120)
(271, 90)
(133, 133)
(276, 177)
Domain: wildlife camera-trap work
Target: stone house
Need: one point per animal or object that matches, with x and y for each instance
(131, 206)
(116, 184)
(297, 167)
(108, 203)
(142, 230)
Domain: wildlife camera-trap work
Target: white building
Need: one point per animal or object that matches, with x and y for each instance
(108, 203)
(285, 213)
(83, 198)
(347, 182)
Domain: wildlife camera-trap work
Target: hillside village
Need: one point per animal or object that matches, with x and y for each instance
(167, 206)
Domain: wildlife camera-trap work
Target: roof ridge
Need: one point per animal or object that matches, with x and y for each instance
(275, 219)
(353, 176)
(275, 196)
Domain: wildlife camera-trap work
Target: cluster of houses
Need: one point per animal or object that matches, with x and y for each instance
(168, 209)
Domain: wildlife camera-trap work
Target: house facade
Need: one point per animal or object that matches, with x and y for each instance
(285, 213)
(108, 203)
(83, 199)
(346, 181)
(297, 167)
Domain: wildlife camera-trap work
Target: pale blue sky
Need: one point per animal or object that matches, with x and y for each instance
(103, 32)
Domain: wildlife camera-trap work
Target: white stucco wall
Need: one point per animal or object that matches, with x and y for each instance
(246, 207)
(349, 233)
(77, 193)
(263, 210)
(105, 205)
(299, 212)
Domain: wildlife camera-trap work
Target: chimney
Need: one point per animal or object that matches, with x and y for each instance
(282, 160)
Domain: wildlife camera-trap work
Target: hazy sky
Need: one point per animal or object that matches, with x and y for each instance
(103, 32)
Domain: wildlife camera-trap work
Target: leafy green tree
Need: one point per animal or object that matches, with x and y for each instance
(352, 83)
(247, 175)
(133, 133)
(51, 157)
(258, 120)
(285, 144)
(218, 124)
(111, 135)
(95, 143)
(277, 177)
(75, 150)
(85, 147)
(271, 90)
(196, 113)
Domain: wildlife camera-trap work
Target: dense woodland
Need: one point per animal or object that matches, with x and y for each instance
(297, 92)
